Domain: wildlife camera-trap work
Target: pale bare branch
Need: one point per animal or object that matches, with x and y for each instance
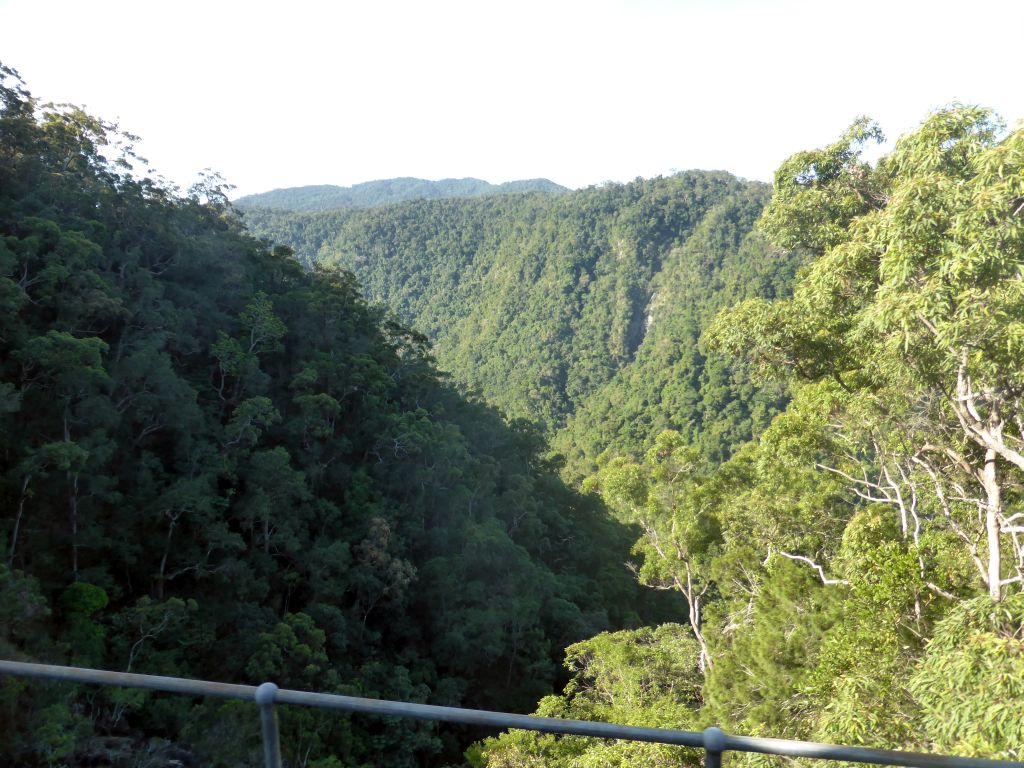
(940, 591)
(821, 571)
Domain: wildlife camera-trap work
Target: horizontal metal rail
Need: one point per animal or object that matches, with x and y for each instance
(713, 740)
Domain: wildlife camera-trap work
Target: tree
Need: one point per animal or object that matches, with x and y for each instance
(647, 677)
(914, 308)
(973, 673)
(69, 370)
(681, 532)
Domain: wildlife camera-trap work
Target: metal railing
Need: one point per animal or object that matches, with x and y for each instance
(713, 741)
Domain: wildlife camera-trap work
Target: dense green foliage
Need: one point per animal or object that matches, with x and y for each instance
(855, 575)
(217, 464)
(221, 461)
(371, 194)
(581, 311)
(645, 678)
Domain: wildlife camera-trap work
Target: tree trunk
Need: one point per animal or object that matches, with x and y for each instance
(161, 578)
(992, 508)
(17, 520)
(696, 621)
(72, 479)
(73, 508)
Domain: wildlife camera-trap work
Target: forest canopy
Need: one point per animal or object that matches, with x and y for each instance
(218, 464)
(370, 194)
(581, 312)
(855, 574)
(693, 452)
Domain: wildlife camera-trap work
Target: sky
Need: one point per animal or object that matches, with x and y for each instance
(275, 94)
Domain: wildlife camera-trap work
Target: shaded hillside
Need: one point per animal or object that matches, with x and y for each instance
(546, 305)
(218, 465)
(371, 194)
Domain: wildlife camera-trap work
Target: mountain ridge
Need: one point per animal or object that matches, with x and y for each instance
(371, 194)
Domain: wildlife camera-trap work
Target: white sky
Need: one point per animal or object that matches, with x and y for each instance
(284, 94)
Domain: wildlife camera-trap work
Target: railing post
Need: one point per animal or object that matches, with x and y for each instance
(265, 696)
(714, 745)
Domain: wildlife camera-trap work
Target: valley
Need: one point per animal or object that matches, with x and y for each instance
(682, 451)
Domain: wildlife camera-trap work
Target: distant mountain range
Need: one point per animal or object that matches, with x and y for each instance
(370, 194)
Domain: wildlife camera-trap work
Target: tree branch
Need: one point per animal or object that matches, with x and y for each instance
(821, 571)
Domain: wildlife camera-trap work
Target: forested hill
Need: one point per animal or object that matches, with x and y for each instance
(371, 194)
(581, 311)
(216, 464)
(856, 574)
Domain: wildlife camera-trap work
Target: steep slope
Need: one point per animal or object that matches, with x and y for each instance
(216, 464)
(673, 382)
(371, 194)
(546, 305)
